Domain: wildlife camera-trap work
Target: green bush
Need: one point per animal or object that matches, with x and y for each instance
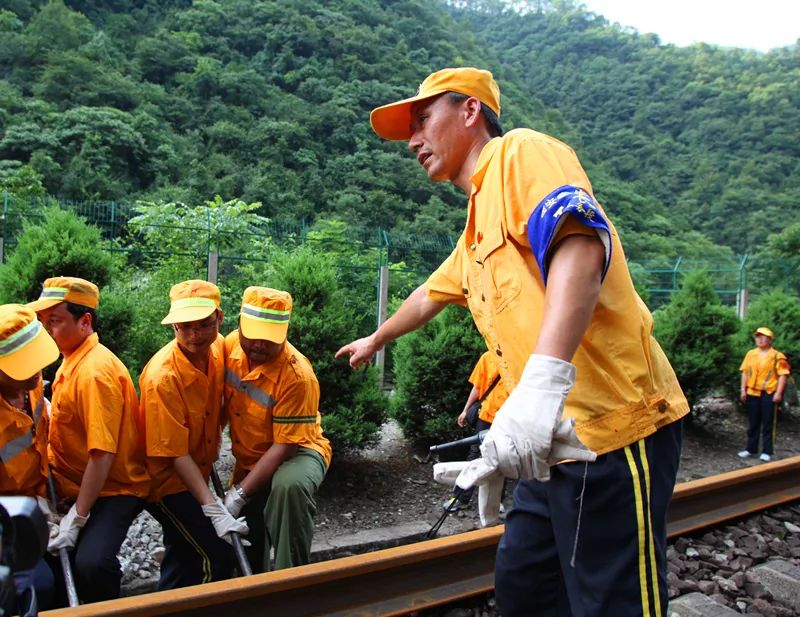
(60, 244)
(432, 366)
(695, 331)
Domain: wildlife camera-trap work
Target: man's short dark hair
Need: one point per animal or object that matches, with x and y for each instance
(78, 310)
(492, 121)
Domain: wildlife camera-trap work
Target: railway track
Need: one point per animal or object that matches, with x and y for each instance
(401, 580)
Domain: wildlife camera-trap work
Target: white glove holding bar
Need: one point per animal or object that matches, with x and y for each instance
(224, 523)
(528, 434)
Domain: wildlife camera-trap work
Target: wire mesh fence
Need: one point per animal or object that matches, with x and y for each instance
(360, 254)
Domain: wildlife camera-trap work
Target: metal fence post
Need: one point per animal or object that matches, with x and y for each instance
(383, 301)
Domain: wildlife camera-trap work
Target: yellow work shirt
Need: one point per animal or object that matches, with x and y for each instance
(181, 410)
(763, 370)
(23, 447)
(625, 388)
(482, 377)
(94, 408)
(275, 402)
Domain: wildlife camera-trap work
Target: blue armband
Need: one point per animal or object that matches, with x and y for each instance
(549, 215)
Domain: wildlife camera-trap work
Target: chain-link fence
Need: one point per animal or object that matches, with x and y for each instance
(391, 263)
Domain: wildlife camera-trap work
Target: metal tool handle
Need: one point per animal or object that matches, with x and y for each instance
(467, 441)
(236, 541)
(63, 554)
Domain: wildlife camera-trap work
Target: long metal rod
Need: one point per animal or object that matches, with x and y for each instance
(63, 554)
(410, 578)
(236, 541)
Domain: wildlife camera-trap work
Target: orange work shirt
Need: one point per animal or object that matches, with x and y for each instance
(763, 370)
(276, 402)
(482, 377)
(181, 409)
(625, 388)
(94, 408)
(23, 447)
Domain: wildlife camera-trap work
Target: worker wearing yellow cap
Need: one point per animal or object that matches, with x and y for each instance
(93, 439)
(25, 349)
(181, 410)
(764, 372)
(272, 403)
(542, 270)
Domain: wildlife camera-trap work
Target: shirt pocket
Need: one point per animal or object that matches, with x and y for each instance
(500, 270)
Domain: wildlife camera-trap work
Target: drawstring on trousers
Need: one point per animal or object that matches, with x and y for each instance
(580, 512)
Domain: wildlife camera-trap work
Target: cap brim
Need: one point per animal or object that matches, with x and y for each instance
(189, 313)
(32, 358)
(393, 121)
(40, 305)
(260, 330)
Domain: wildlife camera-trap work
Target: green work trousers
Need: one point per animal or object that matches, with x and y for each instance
(282, 516)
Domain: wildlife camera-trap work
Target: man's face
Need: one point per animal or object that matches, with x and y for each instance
(763, 341)
(259, 351)
(67, 330)
(18, 385)
(438, 137)
(196, 337)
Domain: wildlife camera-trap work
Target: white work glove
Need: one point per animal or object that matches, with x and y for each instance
(467, 474)
(528, 434)
(224, 523)
(68, 530)
(234, 502)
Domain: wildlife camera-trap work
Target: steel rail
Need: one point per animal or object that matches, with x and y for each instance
(400, 580)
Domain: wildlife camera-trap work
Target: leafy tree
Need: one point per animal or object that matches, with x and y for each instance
(427, 402)
(695, 331)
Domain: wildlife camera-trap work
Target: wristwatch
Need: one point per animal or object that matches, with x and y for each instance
(240, 491)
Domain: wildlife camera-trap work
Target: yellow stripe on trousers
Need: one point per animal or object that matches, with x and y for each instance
(645, 530)
(190, 539)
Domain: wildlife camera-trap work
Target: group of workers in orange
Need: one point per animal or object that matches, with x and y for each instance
(113, 454)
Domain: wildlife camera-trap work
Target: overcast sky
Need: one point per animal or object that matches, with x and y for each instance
(756, 24)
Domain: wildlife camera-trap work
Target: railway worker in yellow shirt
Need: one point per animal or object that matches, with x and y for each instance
(25, 349)
(764, 371)
(272, 403)
(93, 439)
(592, 422)
(181, 410)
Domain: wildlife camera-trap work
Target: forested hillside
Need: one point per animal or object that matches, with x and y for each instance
(693, 150)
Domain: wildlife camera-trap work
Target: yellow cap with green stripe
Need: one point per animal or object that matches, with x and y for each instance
(25, 346)
(191, 301)
(265, 314)
(66, 289)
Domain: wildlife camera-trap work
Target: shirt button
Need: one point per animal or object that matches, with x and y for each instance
(662, 407)
(499, 351)
(472, 246)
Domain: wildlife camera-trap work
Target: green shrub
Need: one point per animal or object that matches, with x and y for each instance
(432, 366)
(61, 244)
(696, 331)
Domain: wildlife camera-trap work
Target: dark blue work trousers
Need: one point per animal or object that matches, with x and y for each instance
(592, 541)
(194, 553)
(95, 565)
(761, 422)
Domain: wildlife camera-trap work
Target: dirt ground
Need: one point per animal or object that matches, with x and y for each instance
(393, 483)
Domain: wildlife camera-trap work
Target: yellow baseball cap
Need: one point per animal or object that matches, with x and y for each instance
(191, 300)
(25, 346)
(393, 121)
(765, 331)
(265, 314)
(66, 289)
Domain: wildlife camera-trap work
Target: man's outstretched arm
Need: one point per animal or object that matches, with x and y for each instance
(417, 310)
